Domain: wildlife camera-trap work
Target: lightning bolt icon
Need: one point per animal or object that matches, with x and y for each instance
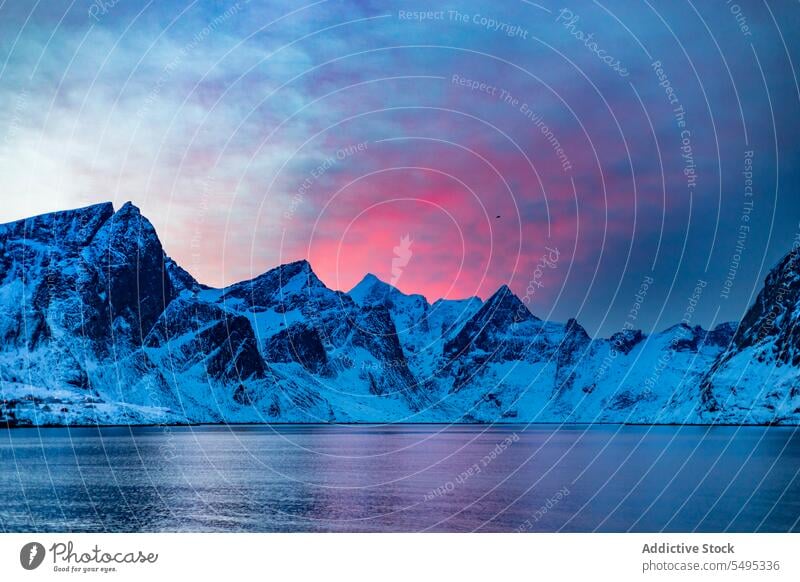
(32, 554)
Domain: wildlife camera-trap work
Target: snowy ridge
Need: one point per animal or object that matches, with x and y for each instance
(98, 325)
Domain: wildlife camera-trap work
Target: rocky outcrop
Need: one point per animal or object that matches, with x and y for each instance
(757, 378)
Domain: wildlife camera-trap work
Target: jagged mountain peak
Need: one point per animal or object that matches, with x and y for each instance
(776, 305)
(683, 328)
(372, 290)
(758, 371)
(129, 208)
(465, 301)
(301, 267)
(369, 285)
(505, 305)
(624, 341)
(503, 314)
(370, 279)
(502, 293)
(576, 330)
(129, 212)
(102, 209)
(282, 274)
(97, 274)
(128, 238)
(722, 334)
(726, 327)
(68, 228)
(281, 285)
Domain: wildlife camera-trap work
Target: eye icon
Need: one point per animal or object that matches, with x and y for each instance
(31, 555)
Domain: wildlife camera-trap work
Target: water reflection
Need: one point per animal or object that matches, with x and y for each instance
(401, 478)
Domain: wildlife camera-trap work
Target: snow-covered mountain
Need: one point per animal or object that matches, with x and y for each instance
(757, 377)
(98, 325)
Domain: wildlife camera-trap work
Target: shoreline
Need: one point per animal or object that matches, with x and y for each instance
(396, 424)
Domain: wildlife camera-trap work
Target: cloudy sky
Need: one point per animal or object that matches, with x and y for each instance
(489, 134)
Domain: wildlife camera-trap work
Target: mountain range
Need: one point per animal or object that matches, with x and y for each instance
(99, 326)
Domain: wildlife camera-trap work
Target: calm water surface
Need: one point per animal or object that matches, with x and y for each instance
(400, 478)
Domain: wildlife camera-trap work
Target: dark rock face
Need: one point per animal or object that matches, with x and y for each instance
(180, 279)
(374, 331)
(298, 343)
(243, 396)
(43, 255)
(775, 311)
(502, 330)
(624, 341)
(270, 289)
(628, 399)
(132, 273)
(184, 316)
(569, 354)
(236, 356)
(90, 272)
(686, 338)
(294, 288)
(62, 233)
(751, 374)
(223, 343)
(758, 322)
(502, 314)
(722, 335)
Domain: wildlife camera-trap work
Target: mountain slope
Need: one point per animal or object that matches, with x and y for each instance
(99, 325)
(79, 291)
(757, 378)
